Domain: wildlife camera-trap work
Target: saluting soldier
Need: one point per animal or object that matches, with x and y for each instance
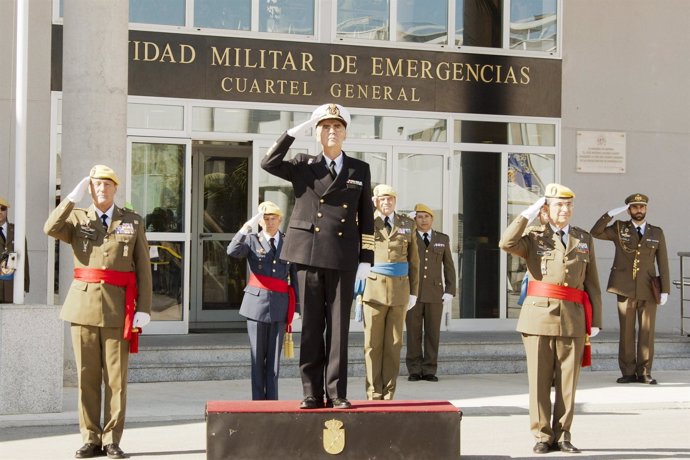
(390, 290)
(437, 280)
(6, 249)
(109, 297)
(330, 237)
(561, 311)
(269, 302)
(640, 250)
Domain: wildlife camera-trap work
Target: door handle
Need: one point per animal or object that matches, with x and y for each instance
(203, 236)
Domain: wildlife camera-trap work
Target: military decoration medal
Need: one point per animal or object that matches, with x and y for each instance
(334, 437)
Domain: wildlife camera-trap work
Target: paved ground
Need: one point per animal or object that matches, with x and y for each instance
(165, 420)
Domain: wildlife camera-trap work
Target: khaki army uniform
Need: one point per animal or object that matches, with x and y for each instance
(385, 301)
(7, 286)
(436, 277)
(97, 310)
(633, 268)
(553, 330)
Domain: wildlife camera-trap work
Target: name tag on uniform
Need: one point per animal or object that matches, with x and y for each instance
(125, 229)
(354, 182)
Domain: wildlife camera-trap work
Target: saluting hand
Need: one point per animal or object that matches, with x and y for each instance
(299, 129)
(76, 195)
(616, 211)
(531, 212)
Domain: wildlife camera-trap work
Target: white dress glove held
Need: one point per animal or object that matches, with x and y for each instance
(141, 319)
(363, 271)
(532, 212)
(76, 195)
(413, 300)
(447, 297)
(616, 211)
(664, 298)
(595, 331)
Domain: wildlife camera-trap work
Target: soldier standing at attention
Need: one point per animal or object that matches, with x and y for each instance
(7, 248)
(110, 295)
(640, 249)
(390, 290)
(561, 311)
(269, 298)
(436, 288)
(330, 237)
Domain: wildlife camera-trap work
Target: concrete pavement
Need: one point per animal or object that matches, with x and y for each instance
(613, 421)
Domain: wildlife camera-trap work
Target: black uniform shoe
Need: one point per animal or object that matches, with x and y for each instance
(89, 450)
(626, 379)
(340, 403)
(568, 448)
(430, 378)
(647, 379)
(541, 448)
(114, 451)
(414, 378)
(311, 402)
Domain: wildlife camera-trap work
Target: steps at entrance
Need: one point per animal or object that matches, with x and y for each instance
(225, 356)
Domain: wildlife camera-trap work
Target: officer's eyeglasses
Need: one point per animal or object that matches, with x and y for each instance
(3, 208)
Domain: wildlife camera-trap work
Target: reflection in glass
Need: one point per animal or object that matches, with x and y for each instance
(167, 262)
(397, 128)
(277, 190)
(225, 120)
(475, 231)
(482, 23)
(225, 194)
(423, 174)
(459, 24)
(489, 132)
(223, 14)
(287, 16)
(527, 176)
(377, 165)
(223, 278)
(423, 21)
(364, 19)
(158, 185)
(533, 25)
(167, 12)
(155, 116)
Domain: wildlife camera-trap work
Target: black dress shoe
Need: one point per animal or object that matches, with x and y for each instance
(566, 447)
(541, 448)
(311, 402)
(114, 451)
(430, 378)
(414, 378)
(89, 450)
(647, 379)
(626, 379)
(340, 403)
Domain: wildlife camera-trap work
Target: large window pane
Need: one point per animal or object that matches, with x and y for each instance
(488, 132)
(158, 185)
(533, 25)
(528, 175)
(167, 269)
(397, 128)
(223, 14)
(167, 12)
(223, 120)
(287, 16)
(423, 21)
(366, 19)
(155, 116)
(415, 169)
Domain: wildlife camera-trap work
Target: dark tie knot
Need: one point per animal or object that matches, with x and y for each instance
(387, 223)
(639, 232)
(426, 238)
(272, 242)
(332, 170)
(104, 219)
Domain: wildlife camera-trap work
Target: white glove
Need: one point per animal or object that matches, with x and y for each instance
(595, 331)
(531, 212)
(447, 297)
(363, 271)
(412, 214)
(615, 211)
(252, 225)
(299, 129)
(296, 316)
(141, 319)
(664, 298)
(413, 300)
(76, 195)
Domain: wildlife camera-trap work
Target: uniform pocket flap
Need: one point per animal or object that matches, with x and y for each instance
(301, 224)
(252, 290)
(79, 285)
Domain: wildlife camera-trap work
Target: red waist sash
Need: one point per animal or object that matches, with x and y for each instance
(269, 283)
(128, 280)
(541, 289)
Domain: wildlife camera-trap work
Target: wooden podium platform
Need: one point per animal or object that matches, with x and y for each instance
(369, 430)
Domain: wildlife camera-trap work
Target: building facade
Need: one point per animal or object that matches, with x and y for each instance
(470, 106)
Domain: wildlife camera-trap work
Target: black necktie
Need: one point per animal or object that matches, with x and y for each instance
(272, 242)
(104, 218)
(639, 232)
(426, 239)
(387, 223)
(560, 234)
(2, 234)
(331, 168)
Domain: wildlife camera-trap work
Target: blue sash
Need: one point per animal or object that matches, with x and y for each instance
(7, 277)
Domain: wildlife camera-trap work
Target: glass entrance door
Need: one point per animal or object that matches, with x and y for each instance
(221, 195)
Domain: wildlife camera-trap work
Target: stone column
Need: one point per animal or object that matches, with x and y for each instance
(94, 106)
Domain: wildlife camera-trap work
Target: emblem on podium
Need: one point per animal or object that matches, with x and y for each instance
(334, 437)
